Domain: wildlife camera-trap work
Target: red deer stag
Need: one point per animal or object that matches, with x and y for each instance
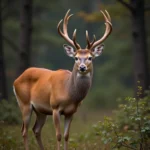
(60, 92)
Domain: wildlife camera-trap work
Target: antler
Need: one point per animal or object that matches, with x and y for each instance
(88, 41)
(106, 34)
(64, 34)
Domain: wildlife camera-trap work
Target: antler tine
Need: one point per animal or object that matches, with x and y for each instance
(88, 40)
(89, 44)
(69, 17)
(65, 23)
(105, 17)
(107, 30)
(94, 39)
(74, 39)
(64, 34)
(109, 18)
(58, 28)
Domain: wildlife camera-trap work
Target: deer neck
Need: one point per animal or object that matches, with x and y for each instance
(79, 84)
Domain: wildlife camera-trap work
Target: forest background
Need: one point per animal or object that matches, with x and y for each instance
(124, 60)
(29, 38)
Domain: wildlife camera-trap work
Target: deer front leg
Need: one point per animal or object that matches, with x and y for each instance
(56, 120)
(68, 120)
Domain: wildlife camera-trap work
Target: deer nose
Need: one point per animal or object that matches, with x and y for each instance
(82, 68)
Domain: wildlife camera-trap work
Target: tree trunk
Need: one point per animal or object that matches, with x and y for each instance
(3, 86)
(140, 53)
(25, 35)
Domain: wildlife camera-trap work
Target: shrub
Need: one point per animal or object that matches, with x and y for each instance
(9, 112)
(130, 128)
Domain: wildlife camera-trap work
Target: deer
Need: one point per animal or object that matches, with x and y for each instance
(60, 92)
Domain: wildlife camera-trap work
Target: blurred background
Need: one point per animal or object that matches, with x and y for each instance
(29, 38)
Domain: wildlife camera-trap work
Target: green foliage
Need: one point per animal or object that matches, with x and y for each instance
(130, 129)
(9, 112)
(7, 142)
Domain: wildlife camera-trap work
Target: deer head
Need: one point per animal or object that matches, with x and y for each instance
(83, 57)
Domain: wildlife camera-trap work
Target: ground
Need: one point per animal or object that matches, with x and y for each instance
(82, 136)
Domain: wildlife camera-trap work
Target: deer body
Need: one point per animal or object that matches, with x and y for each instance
(60, 92)
(64, 94)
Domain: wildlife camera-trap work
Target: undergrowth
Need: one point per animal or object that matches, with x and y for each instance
(130, 128)
(9, 112)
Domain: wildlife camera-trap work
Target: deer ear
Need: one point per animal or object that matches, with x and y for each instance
(69, 50)
(97, 51)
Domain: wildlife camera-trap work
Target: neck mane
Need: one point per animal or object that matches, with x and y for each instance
(79, 84)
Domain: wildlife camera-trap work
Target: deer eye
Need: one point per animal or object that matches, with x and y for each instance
(76, 58)
(90, 58)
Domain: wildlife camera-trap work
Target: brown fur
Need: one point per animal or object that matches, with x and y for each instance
(50, 92)
(55, 89)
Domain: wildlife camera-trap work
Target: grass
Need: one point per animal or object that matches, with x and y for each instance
(82, 136)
